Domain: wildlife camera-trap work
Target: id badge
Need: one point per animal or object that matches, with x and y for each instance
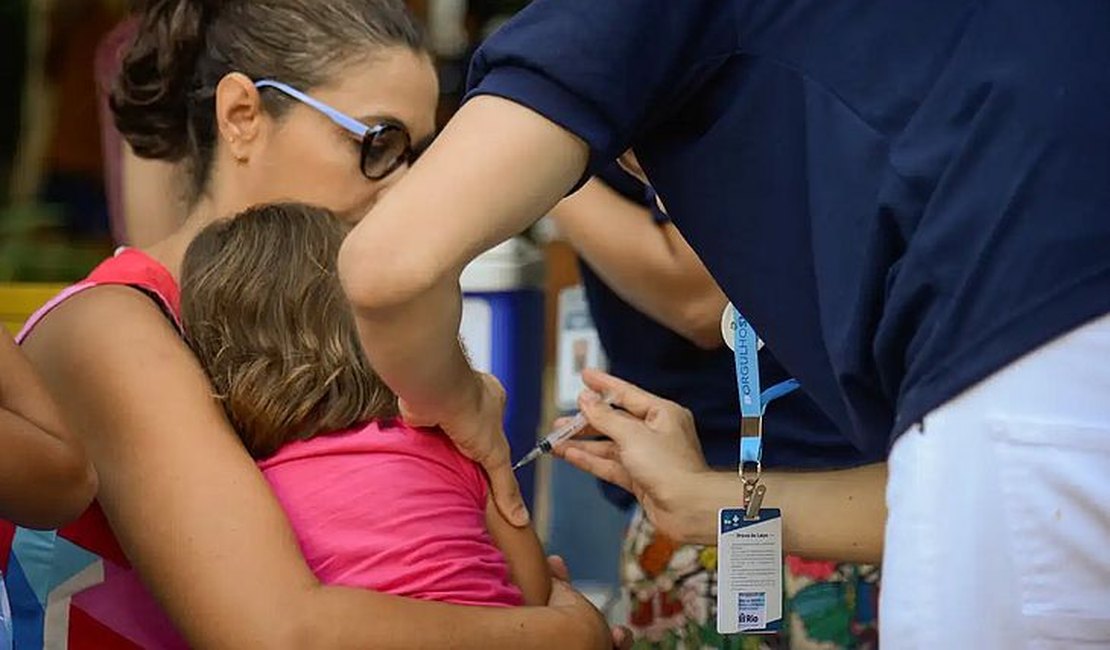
(578, 347)
(749, 572)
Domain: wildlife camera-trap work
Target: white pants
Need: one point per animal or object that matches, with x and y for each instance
(998, 534)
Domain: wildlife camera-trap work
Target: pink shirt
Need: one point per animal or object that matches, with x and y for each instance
(394, 509)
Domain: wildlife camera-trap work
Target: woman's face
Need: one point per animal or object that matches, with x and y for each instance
(305, 157)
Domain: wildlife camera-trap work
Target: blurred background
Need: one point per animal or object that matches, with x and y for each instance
(59, 214)
(55, 221)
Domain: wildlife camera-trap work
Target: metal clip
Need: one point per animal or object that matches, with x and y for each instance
(754, 503)
(750, 473)
(751, 469)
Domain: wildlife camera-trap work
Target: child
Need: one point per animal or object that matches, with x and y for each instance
(45, 478)
(374, 503)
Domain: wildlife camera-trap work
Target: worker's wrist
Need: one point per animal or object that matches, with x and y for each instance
(466, 389)
(456, 390)
(694, 500)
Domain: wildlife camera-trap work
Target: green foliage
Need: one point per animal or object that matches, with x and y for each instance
(34, 248)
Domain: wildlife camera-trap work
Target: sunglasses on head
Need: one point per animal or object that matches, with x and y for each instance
(385, 146)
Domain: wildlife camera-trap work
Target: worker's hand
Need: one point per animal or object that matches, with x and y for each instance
(652, 449)
(474, 424)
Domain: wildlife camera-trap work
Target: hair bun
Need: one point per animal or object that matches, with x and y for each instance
(150, 99)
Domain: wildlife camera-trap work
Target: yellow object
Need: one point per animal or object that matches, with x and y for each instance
(19, 300)
(708, 558)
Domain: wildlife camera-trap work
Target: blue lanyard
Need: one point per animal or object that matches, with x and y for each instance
(753, 401)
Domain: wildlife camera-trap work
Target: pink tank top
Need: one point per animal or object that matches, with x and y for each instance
(394, 509)
(386, 507)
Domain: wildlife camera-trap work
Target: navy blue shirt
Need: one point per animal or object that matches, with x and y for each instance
(650, 355)
(901, 196)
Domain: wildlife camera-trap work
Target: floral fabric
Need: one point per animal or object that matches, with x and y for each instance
(672, 591)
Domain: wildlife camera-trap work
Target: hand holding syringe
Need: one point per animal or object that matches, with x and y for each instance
(565, 432)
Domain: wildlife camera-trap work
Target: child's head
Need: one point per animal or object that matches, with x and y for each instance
(265, 313)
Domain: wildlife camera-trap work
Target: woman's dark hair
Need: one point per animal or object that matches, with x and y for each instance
(164, 98)
(264, 312)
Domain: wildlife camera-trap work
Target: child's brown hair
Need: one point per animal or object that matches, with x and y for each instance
(265, 313)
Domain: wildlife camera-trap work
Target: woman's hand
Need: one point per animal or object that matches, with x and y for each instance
(564, 597)
(652, 451)
(474, 424)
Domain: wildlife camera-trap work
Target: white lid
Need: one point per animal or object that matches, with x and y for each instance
(512, 264)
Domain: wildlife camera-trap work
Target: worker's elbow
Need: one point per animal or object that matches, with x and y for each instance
(700, 323)
(705, 338)
(376, 277)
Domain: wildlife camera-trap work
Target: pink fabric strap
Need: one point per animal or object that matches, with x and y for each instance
(62, 296)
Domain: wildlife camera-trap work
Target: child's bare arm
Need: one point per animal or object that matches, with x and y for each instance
(527, 563)
(45, 478)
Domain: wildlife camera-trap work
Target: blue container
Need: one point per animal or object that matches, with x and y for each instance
(503, 331)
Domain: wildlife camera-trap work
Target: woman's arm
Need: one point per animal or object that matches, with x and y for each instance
(400, 266)
(196, 517)
(524, 553)
(648, 265)
(45, 477)
(654, 453)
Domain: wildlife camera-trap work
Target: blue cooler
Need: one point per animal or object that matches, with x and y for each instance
(502, 329)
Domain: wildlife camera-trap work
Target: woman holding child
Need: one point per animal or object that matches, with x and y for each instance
(183, 512)
(905, 199)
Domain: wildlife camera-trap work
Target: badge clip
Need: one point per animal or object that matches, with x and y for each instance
(755, 503)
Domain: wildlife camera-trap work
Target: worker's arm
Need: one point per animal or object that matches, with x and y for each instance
(653, 452)
(649, 265)
(400, 267)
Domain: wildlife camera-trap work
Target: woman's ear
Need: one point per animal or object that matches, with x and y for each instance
(239, 115)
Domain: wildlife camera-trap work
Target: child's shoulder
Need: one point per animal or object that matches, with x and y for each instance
(434, 445)
(379, 436)
(427, 445)
(429, 440)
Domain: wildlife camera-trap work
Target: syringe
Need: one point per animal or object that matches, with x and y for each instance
(565, 432)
